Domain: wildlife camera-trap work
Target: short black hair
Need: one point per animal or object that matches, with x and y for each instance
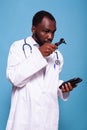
(37, 18)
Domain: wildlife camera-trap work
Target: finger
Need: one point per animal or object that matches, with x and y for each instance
(70, 86)
(67, 88)
(63, 88)
(49, 50)
(54, 46)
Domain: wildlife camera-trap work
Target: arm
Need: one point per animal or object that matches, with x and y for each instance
(21, 69)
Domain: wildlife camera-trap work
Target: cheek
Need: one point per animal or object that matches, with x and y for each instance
(42, 35)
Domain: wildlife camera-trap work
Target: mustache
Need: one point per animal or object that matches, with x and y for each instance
(48, 41)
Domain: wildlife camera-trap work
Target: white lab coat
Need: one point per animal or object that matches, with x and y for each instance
(35, 92)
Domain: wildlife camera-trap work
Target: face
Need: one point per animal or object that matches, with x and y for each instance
(44, 31)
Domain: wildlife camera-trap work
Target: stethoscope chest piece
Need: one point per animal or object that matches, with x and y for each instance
(57, 62)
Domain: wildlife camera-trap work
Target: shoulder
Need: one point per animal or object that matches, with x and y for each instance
(18, 43)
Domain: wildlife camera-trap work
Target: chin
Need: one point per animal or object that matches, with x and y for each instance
(40, 44)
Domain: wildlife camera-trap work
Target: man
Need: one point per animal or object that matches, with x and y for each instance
(34, 74)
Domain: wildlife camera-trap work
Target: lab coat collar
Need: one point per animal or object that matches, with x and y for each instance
(33, 42)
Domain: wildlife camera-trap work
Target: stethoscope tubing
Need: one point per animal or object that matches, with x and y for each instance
(26, 44)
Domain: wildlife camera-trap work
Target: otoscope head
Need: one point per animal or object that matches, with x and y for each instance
(62, 41)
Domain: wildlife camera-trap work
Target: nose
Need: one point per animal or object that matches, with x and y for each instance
(50, 36)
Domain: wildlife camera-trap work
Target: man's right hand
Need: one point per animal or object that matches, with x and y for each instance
(47, 49)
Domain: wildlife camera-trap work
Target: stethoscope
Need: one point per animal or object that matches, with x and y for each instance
(57, 61)
(26, 44)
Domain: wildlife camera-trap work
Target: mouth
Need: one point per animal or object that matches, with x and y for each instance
(48, 41)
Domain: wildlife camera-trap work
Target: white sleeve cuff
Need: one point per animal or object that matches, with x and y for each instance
(63, 96)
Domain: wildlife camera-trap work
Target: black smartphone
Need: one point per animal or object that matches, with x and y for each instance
(72, 81)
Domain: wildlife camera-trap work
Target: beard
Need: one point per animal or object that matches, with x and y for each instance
(38, 39)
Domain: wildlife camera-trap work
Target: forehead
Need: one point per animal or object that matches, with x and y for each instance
(47, 23)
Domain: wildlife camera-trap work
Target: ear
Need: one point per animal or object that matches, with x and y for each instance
(33, 29)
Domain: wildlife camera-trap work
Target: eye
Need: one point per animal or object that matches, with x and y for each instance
(46, 31)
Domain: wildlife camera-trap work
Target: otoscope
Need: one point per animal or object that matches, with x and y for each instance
(60, 42)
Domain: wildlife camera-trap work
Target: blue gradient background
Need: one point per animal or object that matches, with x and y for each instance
(71, 17)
